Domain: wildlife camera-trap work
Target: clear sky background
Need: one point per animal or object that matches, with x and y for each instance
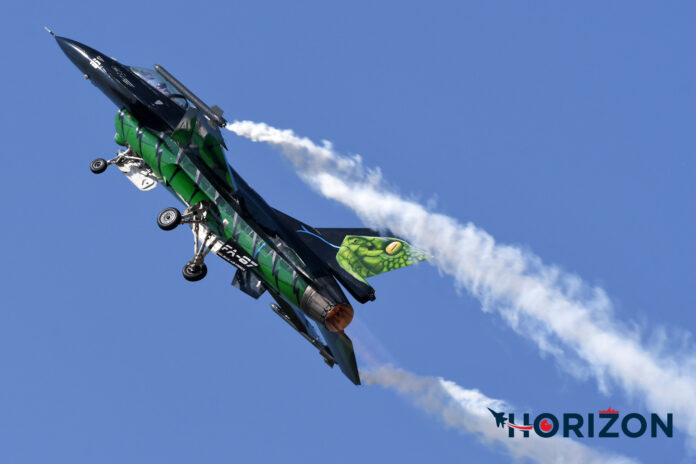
(567, 130)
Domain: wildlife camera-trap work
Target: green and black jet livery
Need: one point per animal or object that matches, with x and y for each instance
(172, 138)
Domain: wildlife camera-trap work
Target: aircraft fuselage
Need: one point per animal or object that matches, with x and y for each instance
(149, 123)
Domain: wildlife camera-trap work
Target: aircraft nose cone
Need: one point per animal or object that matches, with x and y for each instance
(81, 55)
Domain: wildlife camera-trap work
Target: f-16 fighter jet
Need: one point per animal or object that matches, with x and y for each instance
(171, 137)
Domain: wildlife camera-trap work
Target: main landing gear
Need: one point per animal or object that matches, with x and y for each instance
(203, 239)
(169, 219)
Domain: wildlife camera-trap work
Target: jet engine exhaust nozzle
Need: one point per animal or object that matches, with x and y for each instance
(339, 317)
(334, 316)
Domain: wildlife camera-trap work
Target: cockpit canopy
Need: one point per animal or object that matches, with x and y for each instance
(152, 78)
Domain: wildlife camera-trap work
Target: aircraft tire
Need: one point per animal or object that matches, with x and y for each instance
(98, 166)
(168, 219)
(194, 272)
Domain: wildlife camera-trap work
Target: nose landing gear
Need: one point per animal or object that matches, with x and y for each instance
(131, 165)
(98, 166)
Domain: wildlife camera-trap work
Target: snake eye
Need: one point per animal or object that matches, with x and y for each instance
(393, 247)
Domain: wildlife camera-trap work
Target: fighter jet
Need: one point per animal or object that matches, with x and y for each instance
(171, 137)
(499, 418)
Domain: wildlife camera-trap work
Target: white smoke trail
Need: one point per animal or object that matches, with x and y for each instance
(562, 314)
(466, 411)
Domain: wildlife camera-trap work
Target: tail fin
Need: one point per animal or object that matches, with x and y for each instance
(354, 254)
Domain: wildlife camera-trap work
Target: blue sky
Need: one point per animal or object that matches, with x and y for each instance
(566, 130)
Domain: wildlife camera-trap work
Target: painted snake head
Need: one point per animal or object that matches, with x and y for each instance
(365, 257)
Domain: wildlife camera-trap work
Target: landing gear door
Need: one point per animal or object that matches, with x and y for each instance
(143, 179)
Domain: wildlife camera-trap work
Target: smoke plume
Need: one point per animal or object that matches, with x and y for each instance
(558, 311)
(466, 411)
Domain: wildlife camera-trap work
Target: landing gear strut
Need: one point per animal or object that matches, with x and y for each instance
(170, 218)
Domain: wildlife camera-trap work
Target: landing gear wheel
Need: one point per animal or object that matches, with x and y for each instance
(194, 272)
(169, 219)
(98, 166)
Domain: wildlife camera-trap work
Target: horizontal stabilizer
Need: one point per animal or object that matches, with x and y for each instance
(342, 348)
